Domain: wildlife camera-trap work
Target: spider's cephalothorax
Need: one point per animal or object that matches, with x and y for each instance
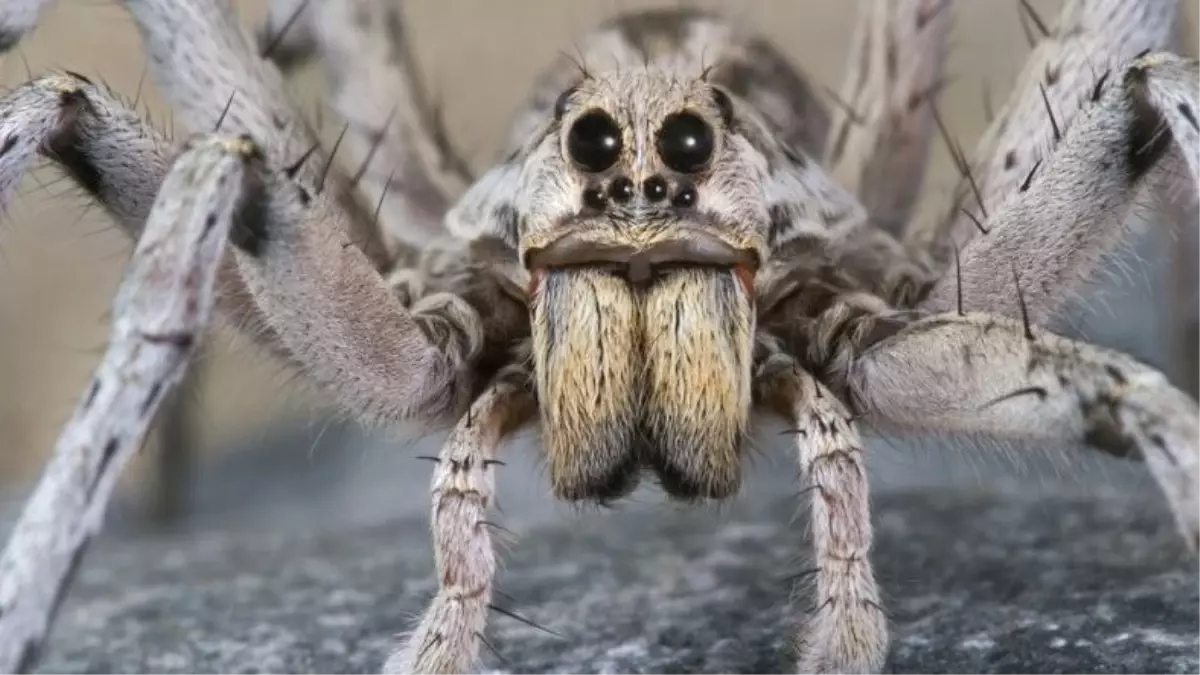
(645, 230)
(680, 234)
(644, 203)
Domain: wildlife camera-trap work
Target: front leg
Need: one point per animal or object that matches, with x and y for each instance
(846, 632)
(979, 374)
(158, 317)
(1074, 209)
(451, 630)
(395, 137)
(1077, 60)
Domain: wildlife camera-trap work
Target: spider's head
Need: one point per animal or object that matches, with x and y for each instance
(642, 172)
(638, 214)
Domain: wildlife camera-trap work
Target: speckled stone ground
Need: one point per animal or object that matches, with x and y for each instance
(974, 583)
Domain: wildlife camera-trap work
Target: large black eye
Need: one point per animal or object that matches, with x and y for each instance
(594, 141)
(685, 142)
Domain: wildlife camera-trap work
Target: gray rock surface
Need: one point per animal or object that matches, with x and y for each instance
(974, 583)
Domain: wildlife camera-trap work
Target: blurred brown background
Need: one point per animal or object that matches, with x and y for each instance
(60, 261)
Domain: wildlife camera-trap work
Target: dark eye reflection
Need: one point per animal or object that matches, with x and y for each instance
(685, 142)
(594, 141)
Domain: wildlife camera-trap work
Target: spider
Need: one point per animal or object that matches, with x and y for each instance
(682, 234)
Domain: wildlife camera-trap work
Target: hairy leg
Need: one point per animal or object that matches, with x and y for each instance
(294, 263)
(1051, 180)
(451, 632)
(883, 124)
(328, 305)
(400, 152)
(158, 317)
(877, 149)
(113, 154)
(286, 35)
(203, 61)
(847, 630)
(1182, 323)
(1058, 224)
(983, 374)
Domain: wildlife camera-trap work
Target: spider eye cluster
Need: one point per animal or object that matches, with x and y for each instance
(594, 141)
(685, 143)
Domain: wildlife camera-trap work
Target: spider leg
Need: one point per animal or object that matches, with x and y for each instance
(450, 633)
(883, 122)
(403, 162)
(1075, 59)
(201, 58)
(18, 17)
(111, 152)
(203, 61)
(861, 196)
(984, 374)
(286, 35)
(329, 306)
(847, 629)
(158, 316)
(1073, 209)
(395, 137)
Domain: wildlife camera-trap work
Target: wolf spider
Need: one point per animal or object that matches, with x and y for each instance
(663, 250)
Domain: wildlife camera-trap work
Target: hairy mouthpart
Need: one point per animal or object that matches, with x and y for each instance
(698, 326)
(655, 377)
(586, 342)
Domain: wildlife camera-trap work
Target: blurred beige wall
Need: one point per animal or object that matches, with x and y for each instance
(60, 262)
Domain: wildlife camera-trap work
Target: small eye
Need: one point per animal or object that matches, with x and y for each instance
(655, 188)
(594, 199)
(621, 190)
(685, 142)
(562, 103)
(594, 141)
(685, 198)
